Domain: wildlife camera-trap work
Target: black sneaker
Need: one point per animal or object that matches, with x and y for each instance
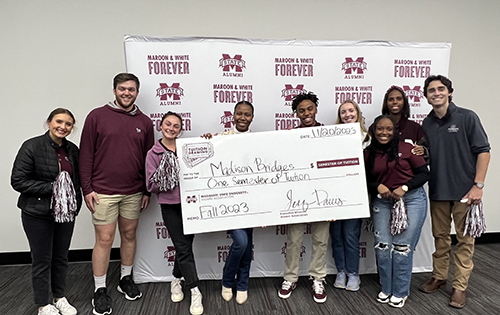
(101, 302)
(128, 287)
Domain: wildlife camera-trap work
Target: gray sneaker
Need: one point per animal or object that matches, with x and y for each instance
(353, 282)
(340, 280)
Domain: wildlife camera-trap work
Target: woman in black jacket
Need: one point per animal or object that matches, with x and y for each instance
(45, 172)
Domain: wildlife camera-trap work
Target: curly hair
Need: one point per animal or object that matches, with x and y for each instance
(302, 97)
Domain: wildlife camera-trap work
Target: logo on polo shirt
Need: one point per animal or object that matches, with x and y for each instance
(453, 128)
(232, 66)
(354, 69)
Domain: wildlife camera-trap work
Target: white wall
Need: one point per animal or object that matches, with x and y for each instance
(57, 53)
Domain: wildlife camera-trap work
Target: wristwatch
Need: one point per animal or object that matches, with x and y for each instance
(404, 188)
(479, 185)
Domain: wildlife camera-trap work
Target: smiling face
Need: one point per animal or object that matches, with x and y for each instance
(438, 94)
(348, 113)
(306, 112)
(126, 94)
(395, 102)
(384, 131)
(171, 127)
(243, 116)
(60, 127)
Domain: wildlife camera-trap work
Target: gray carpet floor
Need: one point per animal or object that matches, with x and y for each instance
(483, 294)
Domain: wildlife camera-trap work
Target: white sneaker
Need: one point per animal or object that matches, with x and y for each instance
(196, 307)
(383, 298)
(176, 290)
(397, 302)
(227, 293)
(241, 297)
(64, 307)
(48, 309)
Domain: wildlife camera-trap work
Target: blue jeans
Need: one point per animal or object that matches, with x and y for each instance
(345, 244)
(395, 252)
(237, 267)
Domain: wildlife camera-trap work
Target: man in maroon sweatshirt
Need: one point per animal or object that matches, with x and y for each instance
(113, 147)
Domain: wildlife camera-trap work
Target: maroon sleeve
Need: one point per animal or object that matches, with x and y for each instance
(150, 141)
(416, 161)
(87, 148)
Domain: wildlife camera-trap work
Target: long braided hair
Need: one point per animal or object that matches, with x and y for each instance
(391, 149)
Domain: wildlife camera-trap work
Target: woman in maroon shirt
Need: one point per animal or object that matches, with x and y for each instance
(397, 106)
(395, 177)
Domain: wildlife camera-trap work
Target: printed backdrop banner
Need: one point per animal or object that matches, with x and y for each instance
(203, 78)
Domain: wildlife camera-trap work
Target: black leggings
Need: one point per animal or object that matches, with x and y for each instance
(49, 244)
(184, 264)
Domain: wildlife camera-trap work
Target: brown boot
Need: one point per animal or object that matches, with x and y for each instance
(457, 298)
(432, 286)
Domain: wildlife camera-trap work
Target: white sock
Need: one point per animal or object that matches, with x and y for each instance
(99, 282)
(125, 271)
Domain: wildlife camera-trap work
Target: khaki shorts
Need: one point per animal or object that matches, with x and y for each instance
(112, 206)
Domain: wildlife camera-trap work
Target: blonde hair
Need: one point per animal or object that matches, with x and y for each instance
(359, 117)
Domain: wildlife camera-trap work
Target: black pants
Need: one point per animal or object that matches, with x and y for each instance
(184, 265)
(49, 244)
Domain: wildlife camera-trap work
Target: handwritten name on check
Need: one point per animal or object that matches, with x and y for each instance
(271, 178)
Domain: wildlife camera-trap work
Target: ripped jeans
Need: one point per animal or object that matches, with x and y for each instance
(395, 252)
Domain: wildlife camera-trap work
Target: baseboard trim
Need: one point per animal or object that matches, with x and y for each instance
(76, 255)
(85, 255)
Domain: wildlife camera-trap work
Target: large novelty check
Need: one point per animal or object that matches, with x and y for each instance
(271, 178)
